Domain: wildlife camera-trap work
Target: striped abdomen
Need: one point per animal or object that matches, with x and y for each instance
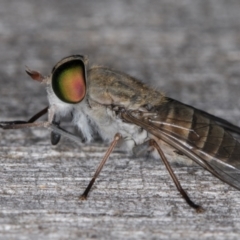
(189, 127)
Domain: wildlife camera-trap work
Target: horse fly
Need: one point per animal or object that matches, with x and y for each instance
(123, 110)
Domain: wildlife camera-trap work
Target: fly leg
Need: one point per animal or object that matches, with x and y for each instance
(10, 124)
(117, 137)
(52, 124)
(55, 137)
(198, 208)
(54, 128)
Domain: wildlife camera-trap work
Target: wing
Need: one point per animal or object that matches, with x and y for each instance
(222, 122)
(195, 134)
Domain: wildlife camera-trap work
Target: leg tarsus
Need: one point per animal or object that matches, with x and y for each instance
(10, 124)
(117, 137)
(198, 208)
(85, 194)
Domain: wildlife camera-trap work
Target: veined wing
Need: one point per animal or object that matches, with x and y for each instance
(222, 122)
(195, 134)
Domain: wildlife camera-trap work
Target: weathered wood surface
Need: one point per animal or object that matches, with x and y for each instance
(189, 49)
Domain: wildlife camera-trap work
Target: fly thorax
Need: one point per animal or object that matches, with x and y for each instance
(107, 122)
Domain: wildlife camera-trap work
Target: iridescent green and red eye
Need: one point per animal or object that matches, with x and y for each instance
(69, 80)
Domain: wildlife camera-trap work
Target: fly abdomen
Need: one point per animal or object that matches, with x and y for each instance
(205, 137)
(191, 128)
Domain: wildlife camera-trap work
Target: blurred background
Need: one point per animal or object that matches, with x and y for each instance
(188, 49)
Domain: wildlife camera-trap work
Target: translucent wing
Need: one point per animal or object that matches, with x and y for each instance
(195, 134)
(222, 122)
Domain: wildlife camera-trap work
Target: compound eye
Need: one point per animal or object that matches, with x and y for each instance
(69, 81)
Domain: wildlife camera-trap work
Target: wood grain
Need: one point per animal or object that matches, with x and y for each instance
(190, 50)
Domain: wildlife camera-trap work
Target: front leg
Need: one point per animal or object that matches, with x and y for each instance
(18, 124)
(51, 124)
(10, 124)
(55, 137)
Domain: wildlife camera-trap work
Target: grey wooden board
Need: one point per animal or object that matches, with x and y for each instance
(188, 49)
